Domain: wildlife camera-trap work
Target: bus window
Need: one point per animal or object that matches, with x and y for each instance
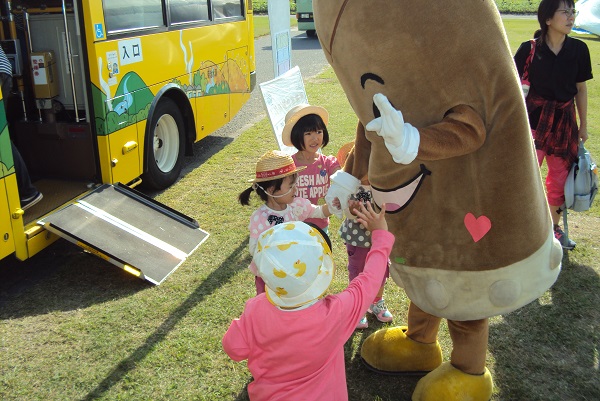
(227, 8)
(188, 11)
(132, 14)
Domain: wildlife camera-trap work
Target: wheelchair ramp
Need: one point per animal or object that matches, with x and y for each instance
(129, 230)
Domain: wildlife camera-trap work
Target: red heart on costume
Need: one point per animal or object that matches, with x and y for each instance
(478, 227)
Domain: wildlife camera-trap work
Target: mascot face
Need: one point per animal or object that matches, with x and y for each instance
(462, 205)
(426, 57)
(402, 49)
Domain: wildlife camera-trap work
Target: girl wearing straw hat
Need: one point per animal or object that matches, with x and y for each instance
(293, 338)
(275, 184)
(306, 130)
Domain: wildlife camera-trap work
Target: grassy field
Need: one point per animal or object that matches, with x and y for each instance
(261, 25)
(517, 6)
(76, 328)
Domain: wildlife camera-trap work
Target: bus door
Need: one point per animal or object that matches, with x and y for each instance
(8, 190)
(129, 230)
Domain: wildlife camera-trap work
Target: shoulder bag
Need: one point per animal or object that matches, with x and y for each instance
(525, 77)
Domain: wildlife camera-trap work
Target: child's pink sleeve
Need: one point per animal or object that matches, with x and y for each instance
(302, 209)
(256, 225)
(334, 165)
(317, 212)
(234, 341)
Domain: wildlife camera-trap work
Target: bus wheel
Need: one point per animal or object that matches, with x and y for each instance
(166, 148)
(311, 33)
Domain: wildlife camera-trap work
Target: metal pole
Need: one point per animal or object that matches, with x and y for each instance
(13, 34)
(28, 42)
(70, 59)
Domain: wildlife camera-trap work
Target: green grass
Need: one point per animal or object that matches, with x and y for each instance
(76, 328)
(261, 6)
(517, 6)
(261, 25)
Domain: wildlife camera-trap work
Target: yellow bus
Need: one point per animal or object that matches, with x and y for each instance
(109, 94)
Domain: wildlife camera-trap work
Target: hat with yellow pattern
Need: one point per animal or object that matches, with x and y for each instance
(295, 261)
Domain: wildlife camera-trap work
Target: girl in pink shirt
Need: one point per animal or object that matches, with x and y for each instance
(275, 184)
(306, 130)
(292, 336)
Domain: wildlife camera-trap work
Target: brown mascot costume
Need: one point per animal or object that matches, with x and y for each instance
(444, 138)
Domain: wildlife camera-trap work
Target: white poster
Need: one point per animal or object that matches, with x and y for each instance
(279, 96)
(281, 40)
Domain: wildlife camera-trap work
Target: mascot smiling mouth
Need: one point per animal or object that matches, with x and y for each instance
(398, 198)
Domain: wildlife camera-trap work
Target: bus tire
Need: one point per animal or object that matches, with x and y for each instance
(166, 147)
(311, 33)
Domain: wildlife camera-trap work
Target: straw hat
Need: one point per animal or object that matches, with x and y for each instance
(295, 262)
(296, 113)
(274, 164)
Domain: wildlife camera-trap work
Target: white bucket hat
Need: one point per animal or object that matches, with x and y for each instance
(295, 262)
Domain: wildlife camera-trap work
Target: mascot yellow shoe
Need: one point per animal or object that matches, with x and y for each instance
(450, 384)
(390, 350)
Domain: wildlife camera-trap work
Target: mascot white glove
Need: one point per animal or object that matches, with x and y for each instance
(342, 186)
(400, 138)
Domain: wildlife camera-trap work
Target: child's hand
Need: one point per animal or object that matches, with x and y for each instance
(353, 205)
(371, 220)
(336, 202)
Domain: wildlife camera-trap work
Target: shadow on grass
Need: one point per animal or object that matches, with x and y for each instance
(204, 150)
(62, 277)
(243, 395)
(591, 37)
(548, 350)
(216, 279)
(367, 385)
